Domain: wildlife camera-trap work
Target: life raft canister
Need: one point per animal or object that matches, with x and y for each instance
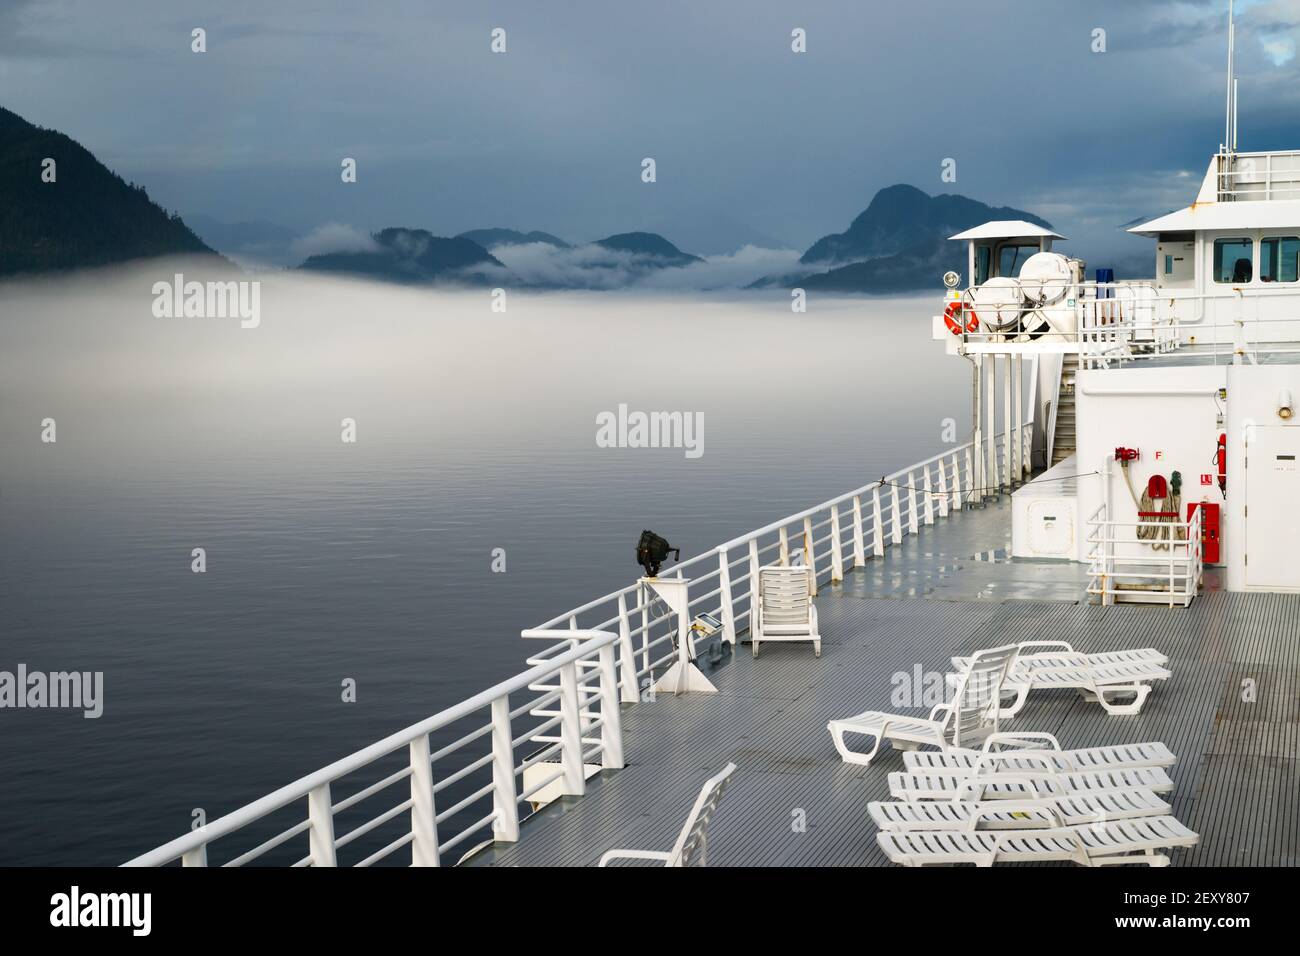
(952, 317)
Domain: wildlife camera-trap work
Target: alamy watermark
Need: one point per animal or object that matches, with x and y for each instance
(133, 911)
(633, 429)
(230, 299)
(72, 690)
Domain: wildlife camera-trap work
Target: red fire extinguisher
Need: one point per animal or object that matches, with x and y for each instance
(1222, 456)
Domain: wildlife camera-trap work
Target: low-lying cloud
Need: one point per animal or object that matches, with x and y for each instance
(596, 267)
(333, 237)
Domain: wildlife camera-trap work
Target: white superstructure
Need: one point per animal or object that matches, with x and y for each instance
(1161, 395)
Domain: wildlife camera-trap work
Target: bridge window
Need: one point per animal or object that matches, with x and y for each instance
(1011, 258)
(1279, 259)
(983, 255)
(1233, 260)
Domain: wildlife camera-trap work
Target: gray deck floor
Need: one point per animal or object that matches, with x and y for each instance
(793, 802)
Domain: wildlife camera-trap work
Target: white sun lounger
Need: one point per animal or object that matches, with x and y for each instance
(1146, 655)
(967, 720)
(1118, 843)
(692, 842)
(1110, 679)
(1037, 751)
(1004, 815)
(914, 785)
(784, 611)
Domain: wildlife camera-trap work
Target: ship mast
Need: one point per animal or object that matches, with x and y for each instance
(1230, 120)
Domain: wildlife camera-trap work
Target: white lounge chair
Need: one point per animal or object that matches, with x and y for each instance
(784, 610)
(1116, 843)
(692, 843)
(966, 721)
(912, 785)
(1146, 655)
(1038, 751)
(1003, 814)
(1107, 678)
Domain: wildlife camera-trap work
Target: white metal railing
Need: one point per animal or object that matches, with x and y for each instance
(569, 721)
(1244, 177)
(832, 537)
(1124, 567)
(1113, 323)
(1085, 316)
(1210, 324)
(487, 749)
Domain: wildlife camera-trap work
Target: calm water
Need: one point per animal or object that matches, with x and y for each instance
(371, 561)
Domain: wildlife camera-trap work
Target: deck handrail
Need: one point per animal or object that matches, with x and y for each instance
(827, 536)
(315, 787)
(839, 533)
(1182, 563)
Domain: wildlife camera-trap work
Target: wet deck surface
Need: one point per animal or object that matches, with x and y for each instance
(1231, 712)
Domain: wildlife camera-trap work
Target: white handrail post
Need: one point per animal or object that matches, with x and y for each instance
(859, 555)
(991, 433)
(912, 516)
(877, 524)
(927, 493)
(611, 717)
(837, 556)
(810, 555)
(728, 608)
(1020, 418)
(970, 475)
(574, 781)
(753, 580)
(1110, 561)
(785, 547)
(1027, 452)
(643, 598)
(320, 814)
(626, 654)
(424, 814)
(896, 524)
(955, 500)
(196, 857)
(943, 489)
(505, 797)
(1172, 549)
(1007, 445)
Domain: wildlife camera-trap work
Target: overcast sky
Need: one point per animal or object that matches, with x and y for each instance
(752, 141)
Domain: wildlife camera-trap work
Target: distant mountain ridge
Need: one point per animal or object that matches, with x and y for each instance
(647, 244)
(412, 256)
(903, 217)
(88, 216)
(487, 238)
(899, 243)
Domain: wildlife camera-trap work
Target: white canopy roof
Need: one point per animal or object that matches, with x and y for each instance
(1007, 229)
(1274, 214)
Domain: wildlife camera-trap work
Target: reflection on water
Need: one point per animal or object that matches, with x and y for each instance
(372, 560)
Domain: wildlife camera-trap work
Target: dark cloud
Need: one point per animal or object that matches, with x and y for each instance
(751, 140)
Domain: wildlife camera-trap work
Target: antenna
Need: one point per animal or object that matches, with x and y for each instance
(1234, 114)
(1230, 120)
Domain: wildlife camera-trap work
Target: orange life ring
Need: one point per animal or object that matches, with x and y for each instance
(952, 317)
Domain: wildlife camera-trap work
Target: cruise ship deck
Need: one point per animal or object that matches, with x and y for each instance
(950, 589)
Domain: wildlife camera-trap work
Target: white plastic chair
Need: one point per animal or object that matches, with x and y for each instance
(692, 843)
(784, 610)
(1041, 751)
(1106, 678)
(1101, 843)
(964, 722)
